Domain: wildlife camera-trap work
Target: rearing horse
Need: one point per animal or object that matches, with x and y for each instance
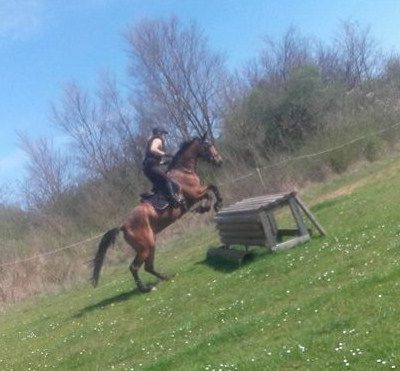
(144, 221)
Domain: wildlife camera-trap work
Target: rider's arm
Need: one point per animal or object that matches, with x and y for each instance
(156, 147)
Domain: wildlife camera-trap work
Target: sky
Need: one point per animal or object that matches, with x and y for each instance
(44, 44)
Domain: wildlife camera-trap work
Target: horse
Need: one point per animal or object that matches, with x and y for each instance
(145, 222)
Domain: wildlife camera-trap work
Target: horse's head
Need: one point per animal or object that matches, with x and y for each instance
(209, 152)
(193, 149)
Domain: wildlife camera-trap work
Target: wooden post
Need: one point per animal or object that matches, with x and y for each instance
(269, 236)
(291, 243)
(272, 221)
(261, 179)
(311, 216)
(297, 217)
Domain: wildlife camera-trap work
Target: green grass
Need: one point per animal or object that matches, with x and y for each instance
(329, 304)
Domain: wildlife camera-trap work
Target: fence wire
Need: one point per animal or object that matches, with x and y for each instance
(230, 181)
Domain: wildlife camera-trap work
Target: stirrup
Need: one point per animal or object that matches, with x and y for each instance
(177, 201)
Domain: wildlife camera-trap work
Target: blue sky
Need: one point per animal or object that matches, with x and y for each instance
(47, 43)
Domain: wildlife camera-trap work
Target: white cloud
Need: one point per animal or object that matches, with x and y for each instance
(20, 19)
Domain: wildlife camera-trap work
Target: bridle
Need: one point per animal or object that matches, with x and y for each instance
(205, 151)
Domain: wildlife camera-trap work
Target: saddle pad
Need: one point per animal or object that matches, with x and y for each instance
(157, 199)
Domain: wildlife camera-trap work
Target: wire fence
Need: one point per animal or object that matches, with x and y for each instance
(52, 252)
(311, 155)
(230, 181)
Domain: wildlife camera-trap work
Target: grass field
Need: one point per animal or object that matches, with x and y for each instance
(329, 304)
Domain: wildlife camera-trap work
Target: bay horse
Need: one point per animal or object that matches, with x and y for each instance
(145, 222)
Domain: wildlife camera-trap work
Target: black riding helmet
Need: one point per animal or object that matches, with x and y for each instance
(159, 131)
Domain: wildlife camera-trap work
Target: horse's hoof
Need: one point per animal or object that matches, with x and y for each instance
(145, 289)
(166, 277)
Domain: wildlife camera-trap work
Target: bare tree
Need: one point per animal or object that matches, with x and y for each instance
(327, 59)
(101, 128)
(358, 53)
(129, 143)
(280, 58)
(178, 77)
(47, 171)
(4, 194)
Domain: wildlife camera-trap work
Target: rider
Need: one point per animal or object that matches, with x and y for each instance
(154, 158)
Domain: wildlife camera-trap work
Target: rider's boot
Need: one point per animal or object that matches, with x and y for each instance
(176, 200)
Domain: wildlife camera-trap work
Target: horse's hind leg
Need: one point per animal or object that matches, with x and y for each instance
(142, 249)
(134, 268)
(149, 266)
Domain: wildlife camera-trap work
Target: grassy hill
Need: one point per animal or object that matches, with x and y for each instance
(329, 304)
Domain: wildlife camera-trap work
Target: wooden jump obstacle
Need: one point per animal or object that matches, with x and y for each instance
(252, 222)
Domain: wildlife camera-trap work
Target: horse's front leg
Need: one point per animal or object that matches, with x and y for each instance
(149, 267)
(218, 203)
(205, 194)
(204, 207)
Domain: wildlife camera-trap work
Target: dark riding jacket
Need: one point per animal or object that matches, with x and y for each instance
(151, 155)
(152, 165)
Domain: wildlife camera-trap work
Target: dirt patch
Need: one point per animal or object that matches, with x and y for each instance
(344, 191)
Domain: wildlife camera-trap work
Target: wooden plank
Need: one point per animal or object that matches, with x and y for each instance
(249, 206)
(240, 211)
(241, 231)
(242, 234)
(246, 241)
(311, 216)
(259, 201)
(254, 202)
(268, 196)
(269, 236)
(240, 227)
(281, 202)
(297, 217)
(291, 243)
(241, 207)
(256, 207)
(237, 219)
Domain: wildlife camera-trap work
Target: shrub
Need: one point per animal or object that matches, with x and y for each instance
(373, 149)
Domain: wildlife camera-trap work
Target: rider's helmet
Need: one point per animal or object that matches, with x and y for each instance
(159, 131)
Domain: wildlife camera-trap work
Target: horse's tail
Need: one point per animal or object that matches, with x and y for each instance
(107, 240)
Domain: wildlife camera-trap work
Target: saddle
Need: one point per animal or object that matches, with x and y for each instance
(157, 199)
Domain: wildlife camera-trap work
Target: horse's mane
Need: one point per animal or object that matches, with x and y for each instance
(183, 147)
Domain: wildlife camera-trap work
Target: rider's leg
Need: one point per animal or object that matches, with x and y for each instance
(175, 199)
(165, 184)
